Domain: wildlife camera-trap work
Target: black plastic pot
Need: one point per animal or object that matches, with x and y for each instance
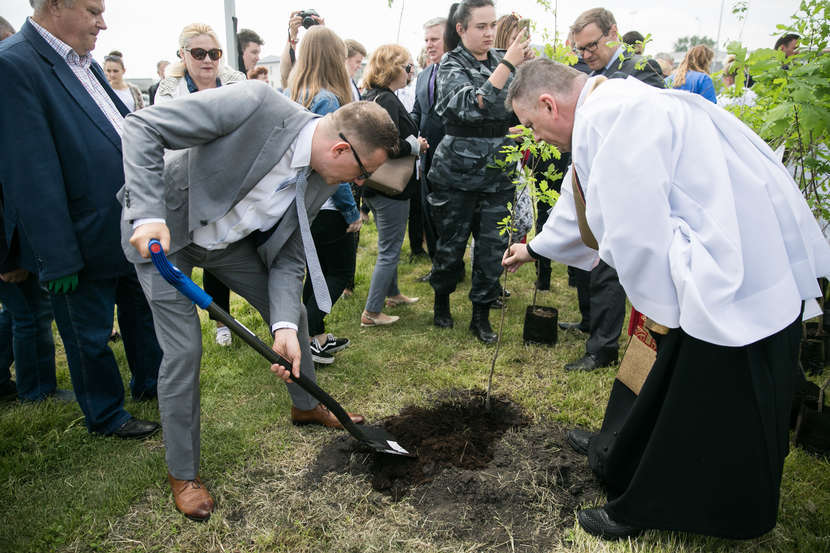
(812, 355)
(541, 325)
(813, 431)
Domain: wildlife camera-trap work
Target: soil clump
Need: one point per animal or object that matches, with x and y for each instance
(490, 477)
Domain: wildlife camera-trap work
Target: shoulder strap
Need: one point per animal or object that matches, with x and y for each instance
(579, 194)
(579, 203)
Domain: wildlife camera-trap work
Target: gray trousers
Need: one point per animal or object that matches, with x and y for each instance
(179, 334)
(390, 218)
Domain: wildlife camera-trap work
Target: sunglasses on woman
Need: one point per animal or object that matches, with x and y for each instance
(407, 67)
(200, 53)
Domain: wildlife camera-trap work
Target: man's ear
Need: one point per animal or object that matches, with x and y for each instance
(547, 103)
(613, 33)
(338, 148)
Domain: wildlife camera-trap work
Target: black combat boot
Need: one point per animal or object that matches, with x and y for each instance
(480, 323)
(442, 317)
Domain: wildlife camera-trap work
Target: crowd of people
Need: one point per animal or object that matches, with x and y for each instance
(267, 190)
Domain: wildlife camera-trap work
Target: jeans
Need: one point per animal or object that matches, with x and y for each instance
(84, 319)
(26, 339)
(390, 218)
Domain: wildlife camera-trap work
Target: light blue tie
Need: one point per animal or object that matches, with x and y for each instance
(315, 273)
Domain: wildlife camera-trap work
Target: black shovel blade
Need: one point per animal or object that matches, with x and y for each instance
(380, 440)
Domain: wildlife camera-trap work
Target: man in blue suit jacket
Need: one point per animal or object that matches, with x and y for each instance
(60, 169)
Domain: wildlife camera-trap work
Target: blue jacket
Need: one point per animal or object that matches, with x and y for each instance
(60, 165)
(699, 83)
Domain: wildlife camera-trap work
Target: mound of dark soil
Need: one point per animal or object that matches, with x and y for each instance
(490, 477)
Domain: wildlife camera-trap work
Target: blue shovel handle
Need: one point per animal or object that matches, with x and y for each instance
(177, 278)
(376, 438)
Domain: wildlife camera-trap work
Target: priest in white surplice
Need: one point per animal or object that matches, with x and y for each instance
(712, 239)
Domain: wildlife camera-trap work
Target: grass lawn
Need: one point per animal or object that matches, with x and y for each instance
(62, 489)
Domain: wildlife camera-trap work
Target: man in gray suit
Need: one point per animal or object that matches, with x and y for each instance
(245, 170)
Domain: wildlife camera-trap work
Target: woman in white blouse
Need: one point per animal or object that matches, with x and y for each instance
(129, 93)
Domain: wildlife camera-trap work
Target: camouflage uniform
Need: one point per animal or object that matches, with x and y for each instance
(469, 195)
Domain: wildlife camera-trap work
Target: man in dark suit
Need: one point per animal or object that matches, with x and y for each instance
(596, 39)
(60, 170)
(430, 125)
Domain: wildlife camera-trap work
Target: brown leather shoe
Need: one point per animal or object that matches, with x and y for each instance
(192, 498)
(320, 415)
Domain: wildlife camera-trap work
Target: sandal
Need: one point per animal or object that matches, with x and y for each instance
(377, 320)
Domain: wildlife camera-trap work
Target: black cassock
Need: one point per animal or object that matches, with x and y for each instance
(702, 448)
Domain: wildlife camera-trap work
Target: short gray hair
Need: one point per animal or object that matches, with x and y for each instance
(434, 22)
(538, 76)
(41, 4)
(601, 17)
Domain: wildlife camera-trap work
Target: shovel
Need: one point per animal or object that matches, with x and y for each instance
(376, 438)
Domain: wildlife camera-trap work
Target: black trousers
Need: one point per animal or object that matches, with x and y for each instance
(607, 310)
(702, 448)
(220, 293)
(336, 251)
(416, 221)
(582, 282)
(430, 229)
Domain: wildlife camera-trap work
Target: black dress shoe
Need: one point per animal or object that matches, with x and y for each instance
(575, 326)
(137, 429)
(597, 523)
(591, 362)
(579, 440)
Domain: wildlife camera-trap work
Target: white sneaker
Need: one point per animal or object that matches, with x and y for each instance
(223, 336)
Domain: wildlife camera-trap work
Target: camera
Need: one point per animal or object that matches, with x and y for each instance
(309, 21)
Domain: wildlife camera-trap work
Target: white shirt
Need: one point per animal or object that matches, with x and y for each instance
(705, 227)
(406, 95)
(126, 96)
(266, 203)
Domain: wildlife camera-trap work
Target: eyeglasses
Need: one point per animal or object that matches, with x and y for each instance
(591, 47)
(200, 53)
(364, 174)
(408, 67)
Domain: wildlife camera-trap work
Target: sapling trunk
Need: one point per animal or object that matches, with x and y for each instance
(503, 311)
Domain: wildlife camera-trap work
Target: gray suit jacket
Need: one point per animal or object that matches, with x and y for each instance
(220, 143)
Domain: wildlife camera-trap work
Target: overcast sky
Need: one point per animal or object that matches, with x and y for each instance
(146, 31)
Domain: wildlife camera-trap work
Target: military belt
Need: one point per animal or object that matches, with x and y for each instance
(482, 131)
